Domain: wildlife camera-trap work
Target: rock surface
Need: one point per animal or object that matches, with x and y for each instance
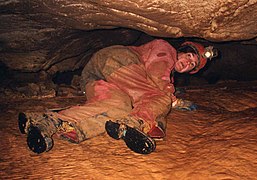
(217, 20)
(218, 141)
(57, 36)
(40, 38)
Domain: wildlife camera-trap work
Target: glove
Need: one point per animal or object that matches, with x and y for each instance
(180, 91)
(184, 105)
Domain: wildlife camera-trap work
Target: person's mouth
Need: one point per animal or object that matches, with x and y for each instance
(181, 65)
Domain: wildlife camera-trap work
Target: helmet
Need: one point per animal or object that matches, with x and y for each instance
(202, 52)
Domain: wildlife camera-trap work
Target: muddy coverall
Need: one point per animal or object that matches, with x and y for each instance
(124, 83)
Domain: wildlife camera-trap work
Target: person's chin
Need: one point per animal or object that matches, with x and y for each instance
(178, 70)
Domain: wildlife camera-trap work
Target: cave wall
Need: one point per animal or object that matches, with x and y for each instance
(40, 38)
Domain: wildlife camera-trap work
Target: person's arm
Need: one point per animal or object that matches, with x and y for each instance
(180, 104)
(149, 103)
(159, 58)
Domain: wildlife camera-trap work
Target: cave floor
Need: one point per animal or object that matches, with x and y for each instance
(218, 141)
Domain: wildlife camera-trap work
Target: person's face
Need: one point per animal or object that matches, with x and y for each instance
(186, 62)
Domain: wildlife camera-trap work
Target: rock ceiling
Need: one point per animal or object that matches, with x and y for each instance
(213, 20)
(43, 33)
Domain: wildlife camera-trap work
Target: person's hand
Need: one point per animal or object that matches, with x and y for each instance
(185, 105)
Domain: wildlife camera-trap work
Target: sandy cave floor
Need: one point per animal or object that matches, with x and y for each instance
(218, 141)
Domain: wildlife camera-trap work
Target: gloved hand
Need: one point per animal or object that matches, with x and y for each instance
(180, 91)
(185, 105)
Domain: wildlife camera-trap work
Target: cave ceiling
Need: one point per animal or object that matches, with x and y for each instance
(214, 20)
(57, 35)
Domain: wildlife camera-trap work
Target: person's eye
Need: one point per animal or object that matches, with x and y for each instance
(192, 64)
(190, 55)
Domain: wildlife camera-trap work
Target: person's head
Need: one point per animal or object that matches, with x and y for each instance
(192, 57)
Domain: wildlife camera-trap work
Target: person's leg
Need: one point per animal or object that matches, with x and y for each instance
(106, 110)
(39, 128)
(105, 101)
(77, 123)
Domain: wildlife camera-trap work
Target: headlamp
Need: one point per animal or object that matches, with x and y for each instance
(210, 52)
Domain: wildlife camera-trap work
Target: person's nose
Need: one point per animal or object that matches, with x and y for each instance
(188, 62)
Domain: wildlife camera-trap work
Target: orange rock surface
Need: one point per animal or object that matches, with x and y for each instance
(218, 141)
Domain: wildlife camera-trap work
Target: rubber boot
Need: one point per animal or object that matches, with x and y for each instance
(135, 140)
(39, 129)
(22, 122)
(37, 141)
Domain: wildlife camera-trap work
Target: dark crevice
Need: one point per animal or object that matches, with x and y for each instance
(65, 77)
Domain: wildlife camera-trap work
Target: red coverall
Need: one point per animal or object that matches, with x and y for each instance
(125, 83)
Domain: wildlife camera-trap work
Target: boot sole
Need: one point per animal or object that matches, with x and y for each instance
(112, 129)
(37, 142)
(138, 141)
(135, 140)
(22, 121)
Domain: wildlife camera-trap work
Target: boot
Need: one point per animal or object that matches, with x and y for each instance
(22, 122)
(39, 129)
(37, 141)
(135, 140)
